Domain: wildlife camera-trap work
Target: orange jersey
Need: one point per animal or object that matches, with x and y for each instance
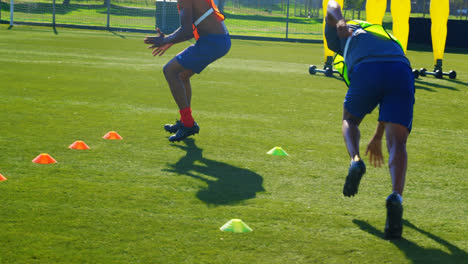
(214, 9)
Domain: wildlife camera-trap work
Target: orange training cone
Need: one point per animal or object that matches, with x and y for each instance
(2, 178)
(44, 158)
(112, 135)
(78, 145)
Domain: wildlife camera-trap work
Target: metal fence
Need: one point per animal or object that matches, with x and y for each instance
(289, 19)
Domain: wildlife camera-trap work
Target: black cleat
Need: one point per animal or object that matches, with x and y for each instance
(394, 223)
(172, 128)
(355, 172)
(185, 132)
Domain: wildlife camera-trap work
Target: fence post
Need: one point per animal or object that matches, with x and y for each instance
(108, 14)
(53, 13)
(163, 22)
(287, 20)
(12, 9)
(155, 15)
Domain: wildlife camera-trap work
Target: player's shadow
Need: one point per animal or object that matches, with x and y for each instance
(425, 85)
(417, 254)
(227, 184)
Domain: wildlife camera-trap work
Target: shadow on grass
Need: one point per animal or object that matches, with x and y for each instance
(117, 34)
(419, 82)
(416, 253)
(458, 82)
(227, 184)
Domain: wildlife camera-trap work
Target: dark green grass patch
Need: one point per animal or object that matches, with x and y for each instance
(145, 200)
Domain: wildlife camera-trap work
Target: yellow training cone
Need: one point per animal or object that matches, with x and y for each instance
(277, 151)
(236, 226)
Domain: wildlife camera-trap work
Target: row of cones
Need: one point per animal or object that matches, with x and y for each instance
(45, 158)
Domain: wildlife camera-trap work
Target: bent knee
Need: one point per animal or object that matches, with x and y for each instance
(166, 70)
(185, 75)
(397, 134)
(351, 119)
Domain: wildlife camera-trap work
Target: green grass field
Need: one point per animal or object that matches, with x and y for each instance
(145, 200)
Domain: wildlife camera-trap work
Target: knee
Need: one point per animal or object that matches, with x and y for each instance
(350, 124)
(396, 136)
(396, 144)
(166, 71)
(185, 75)
(350, 119)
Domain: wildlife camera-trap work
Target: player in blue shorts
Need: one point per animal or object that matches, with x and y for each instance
(202, 20)
(378, 74)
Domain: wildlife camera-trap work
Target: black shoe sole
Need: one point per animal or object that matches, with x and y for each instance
(352, 182)
(180, 139)
(172, 128)
(395, 217)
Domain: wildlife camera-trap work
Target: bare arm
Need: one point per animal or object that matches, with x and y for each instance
(161, 42)
(335, 19)
(185, 31)
(374, 149)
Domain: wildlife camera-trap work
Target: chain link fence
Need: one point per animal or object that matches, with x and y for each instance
(287, 19)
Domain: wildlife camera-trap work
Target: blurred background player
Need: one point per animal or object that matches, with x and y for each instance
(202, 20)
(378, 73)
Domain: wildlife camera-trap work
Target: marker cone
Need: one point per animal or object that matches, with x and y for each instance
(277, 151)
(236, 226)
(44, 158)
(78, 145)
(2, 178)
(112, 135)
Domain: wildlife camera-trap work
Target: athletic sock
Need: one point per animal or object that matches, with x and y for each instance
(186, 117)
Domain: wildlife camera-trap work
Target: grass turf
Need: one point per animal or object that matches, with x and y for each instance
(145, 200)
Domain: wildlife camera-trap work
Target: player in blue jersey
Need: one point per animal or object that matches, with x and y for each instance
(379, 74)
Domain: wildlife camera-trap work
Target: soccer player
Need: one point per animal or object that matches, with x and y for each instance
(378, 73)
(202, 20)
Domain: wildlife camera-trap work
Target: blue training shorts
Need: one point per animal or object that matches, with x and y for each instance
(206, 50)
(387, 84)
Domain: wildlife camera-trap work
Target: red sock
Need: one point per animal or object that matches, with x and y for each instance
(186, 117)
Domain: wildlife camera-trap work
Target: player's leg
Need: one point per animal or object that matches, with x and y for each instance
(185, 77)
(173, 72)
(398, 157)
(362, 97)
(178, 77)
(351, 133)
(397, 162)
(396, 110)
(357, 168)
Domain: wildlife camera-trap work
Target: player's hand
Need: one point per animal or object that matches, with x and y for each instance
(343, 30)
(160, 50)
(156, 41)
(374, 149)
